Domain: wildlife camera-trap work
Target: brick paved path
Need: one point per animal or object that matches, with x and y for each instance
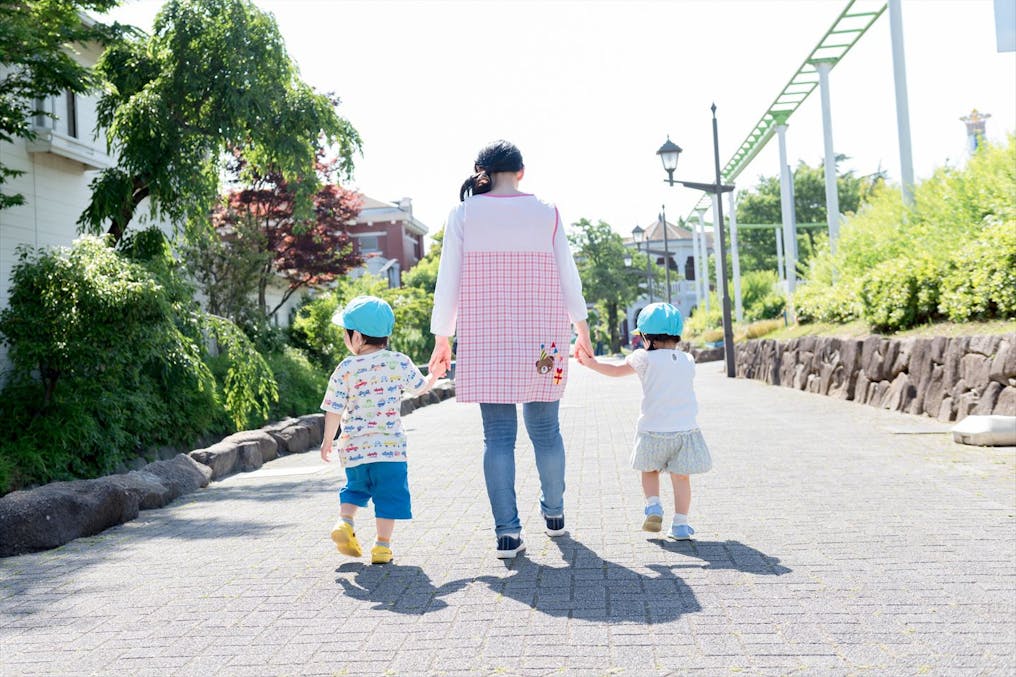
(829, 542)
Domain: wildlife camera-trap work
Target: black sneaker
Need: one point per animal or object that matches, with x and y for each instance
(555, 525)
(509, 546)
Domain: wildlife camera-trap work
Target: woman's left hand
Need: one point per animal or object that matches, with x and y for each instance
(582, 342)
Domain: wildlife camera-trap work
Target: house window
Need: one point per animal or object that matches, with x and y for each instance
(369, 243)
(72, 114)
(689, 268)
(40, 113)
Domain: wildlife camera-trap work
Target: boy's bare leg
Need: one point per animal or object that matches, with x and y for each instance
(682, 493)
(347, 510)
(384, 529)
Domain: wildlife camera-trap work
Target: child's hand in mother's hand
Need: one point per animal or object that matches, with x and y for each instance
(584, 358)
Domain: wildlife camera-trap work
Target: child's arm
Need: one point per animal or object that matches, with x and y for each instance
(331, 429)
(605, 369)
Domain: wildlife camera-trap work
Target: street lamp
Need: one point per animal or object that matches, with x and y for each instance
(669, 153)
(638, 236)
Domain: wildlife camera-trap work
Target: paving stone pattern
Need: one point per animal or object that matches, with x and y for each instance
(829, 542)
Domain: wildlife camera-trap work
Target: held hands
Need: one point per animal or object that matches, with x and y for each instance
(585, 359)
(583, 345)
(441, 358)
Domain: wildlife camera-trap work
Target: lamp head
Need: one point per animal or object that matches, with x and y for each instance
(668, 153)
(638, 234)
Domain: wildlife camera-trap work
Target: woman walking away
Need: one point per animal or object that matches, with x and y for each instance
(509, 291)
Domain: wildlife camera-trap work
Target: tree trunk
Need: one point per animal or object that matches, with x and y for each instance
(615, 340)
(120, 221)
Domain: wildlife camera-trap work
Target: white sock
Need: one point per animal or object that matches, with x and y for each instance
(680, 519)
(652, 500)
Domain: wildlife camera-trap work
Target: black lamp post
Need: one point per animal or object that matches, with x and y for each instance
(668, 153)
(638, 235)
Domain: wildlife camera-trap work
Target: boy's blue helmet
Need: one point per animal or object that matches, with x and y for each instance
(368, 315)
(660, 318)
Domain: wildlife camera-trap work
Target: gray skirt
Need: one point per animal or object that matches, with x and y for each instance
(681, 453)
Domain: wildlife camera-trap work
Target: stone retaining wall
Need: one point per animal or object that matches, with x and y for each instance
(946, 378)
(49, 516)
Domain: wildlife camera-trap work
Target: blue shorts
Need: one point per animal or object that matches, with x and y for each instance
(386, 482)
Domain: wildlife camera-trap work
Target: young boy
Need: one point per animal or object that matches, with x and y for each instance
(365, 396)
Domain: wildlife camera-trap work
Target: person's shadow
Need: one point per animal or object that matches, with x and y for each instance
(391, 587)
(722, 555)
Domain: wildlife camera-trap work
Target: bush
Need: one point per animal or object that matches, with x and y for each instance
(760, 297)
(702, 321)
(301, 384)
(981, 281)
(763, 328)
(313, 331)
(900, 293)
(108, 358)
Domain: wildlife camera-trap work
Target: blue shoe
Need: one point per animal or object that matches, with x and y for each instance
(555, 525)
(654, 518)
(681, 532)
(509, 546)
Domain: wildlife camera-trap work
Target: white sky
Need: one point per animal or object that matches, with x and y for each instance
(589, 90)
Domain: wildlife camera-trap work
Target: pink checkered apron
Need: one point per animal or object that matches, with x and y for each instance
(513, 328)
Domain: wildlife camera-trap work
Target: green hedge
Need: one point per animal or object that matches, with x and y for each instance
(951, 256)
(108, 353)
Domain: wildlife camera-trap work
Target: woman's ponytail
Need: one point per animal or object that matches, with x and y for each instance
(477, 184)
(500, 156)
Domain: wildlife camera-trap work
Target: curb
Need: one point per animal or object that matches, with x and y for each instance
(49, 516)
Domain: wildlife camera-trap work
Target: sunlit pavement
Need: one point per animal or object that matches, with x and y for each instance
(832, 538)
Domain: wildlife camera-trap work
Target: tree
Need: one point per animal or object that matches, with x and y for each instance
(263, 227)
(213, 77)
(36, 39)
(757, 247)
(606, 281)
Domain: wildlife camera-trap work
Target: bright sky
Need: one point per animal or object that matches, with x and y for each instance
(589, 90)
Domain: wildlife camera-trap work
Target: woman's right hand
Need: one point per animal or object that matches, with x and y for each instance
(582, 342)
(441, 358)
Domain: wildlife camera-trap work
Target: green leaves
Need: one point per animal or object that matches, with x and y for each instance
(37, 42)
(213, 78)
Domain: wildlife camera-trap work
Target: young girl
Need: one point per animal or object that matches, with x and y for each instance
(667, 438)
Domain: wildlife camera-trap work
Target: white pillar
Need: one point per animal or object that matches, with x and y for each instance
(780, 272)
(902, 106)
(735, 259)
(704, 246)
(787, 210)
(832, 196)
(698, 263)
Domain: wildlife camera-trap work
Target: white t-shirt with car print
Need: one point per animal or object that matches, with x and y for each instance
(367, 391)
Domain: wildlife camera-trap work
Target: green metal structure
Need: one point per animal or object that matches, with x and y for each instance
(852, 23)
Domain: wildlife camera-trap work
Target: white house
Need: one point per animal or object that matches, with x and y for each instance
(678, 248)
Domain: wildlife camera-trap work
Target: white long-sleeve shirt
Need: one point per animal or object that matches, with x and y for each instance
(502, 212)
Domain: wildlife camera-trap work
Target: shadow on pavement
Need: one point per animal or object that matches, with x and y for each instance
(392, 587)
(722, 555)
(588, 587)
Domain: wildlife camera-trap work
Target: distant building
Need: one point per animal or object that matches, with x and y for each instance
(682, 268)
(388, 237)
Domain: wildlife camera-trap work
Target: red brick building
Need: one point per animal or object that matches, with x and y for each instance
(388, 238)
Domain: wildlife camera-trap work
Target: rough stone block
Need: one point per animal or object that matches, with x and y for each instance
(51, 515)
(148, 488)
(1003, 365)
(984, 345)
(1006, 403)
(900, 394)
(966, 403)
(872, 353)
(408, 406)
(954, 353)
(267, 444)
(946, 411)
(248, 456)
(221, 458)
(316, 425)
(974, 370)
(861, 388)
(901, 353)
(989, 396)
(181, 475)
(934, 390)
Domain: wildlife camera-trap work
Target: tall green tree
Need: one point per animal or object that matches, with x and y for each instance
(606, 280)
(424, 274)
(37, 39)
(761, 204)
(213, 78)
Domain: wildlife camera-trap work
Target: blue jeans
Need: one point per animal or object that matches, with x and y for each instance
(500, 427)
